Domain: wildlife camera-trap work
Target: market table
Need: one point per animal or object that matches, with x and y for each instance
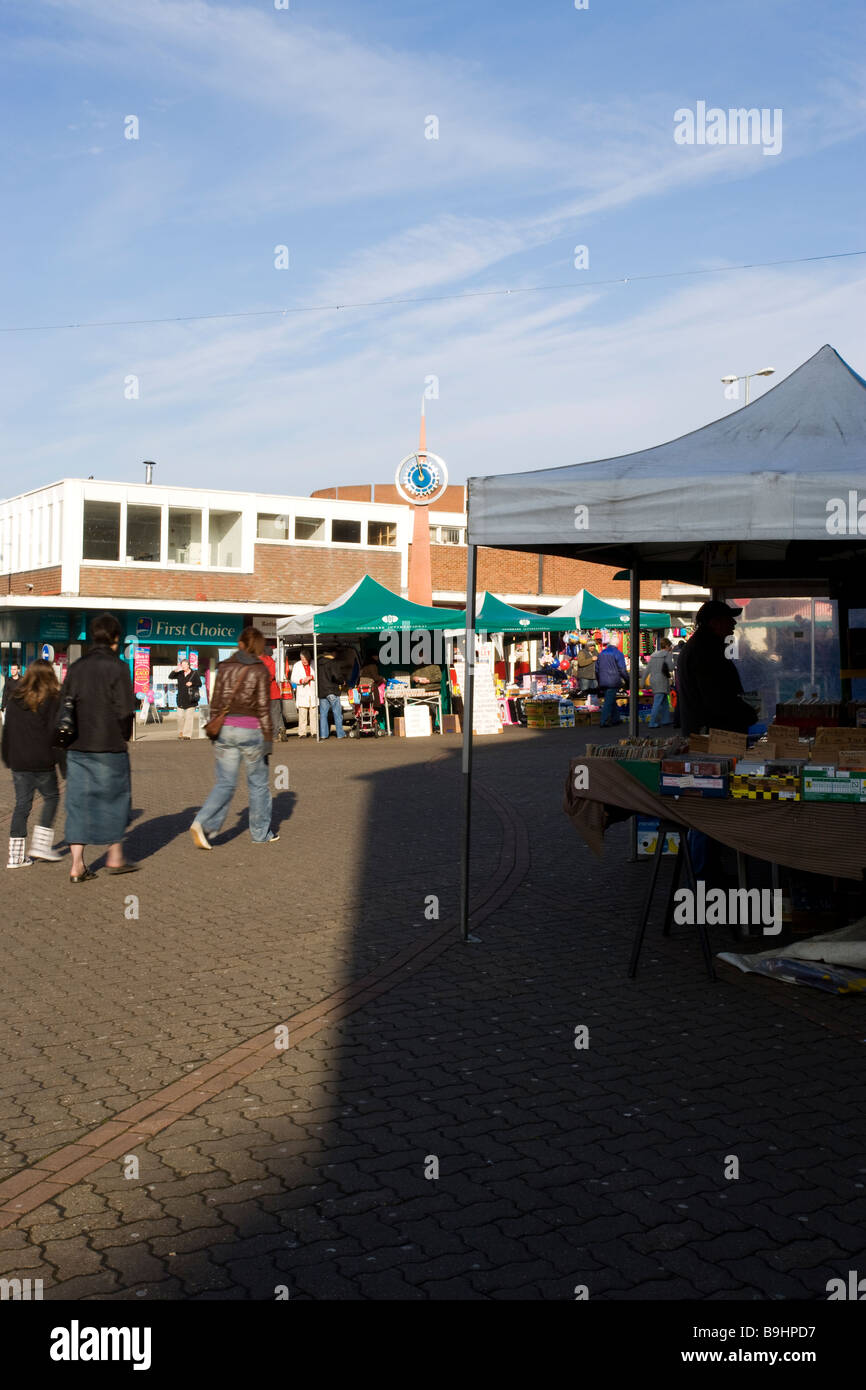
(816, 837)
(414, 696)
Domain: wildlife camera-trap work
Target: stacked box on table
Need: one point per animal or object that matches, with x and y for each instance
(751, 786)
(703, 777)
(566, 714)
(644, 771)
(833, 784)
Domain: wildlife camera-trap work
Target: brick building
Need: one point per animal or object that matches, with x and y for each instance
(192, 565)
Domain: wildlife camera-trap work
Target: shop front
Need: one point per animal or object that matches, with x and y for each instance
(155, 643)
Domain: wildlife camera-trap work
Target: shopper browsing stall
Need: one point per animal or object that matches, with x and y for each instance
(303, 680)
(658, 676)
(612, 674)
(709, 689)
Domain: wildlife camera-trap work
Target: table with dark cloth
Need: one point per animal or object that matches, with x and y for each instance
(816, 837)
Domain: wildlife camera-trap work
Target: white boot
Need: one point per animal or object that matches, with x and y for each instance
(17, 858)
(42, 844)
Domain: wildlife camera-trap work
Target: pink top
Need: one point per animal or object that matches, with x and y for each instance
(242, 721)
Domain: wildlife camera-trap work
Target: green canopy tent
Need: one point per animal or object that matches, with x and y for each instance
(586, 611)
(369, 607)
(494, 615)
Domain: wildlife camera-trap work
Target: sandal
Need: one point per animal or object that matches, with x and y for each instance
(82, 878)
(123, 869)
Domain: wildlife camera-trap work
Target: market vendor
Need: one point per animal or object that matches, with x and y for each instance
(428, 678)
(709, 689)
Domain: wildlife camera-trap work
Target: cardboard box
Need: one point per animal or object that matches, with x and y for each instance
(648, 838)
(451, 724)
(844, 787)
(841, 738)
(727, 743)
(699, 743)
(783, 734)
(399, 724)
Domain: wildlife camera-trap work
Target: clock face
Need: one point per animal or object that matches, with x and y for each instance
(421, 477)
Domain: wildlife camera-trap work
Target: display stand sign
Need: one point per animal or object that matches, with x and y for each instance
(141, 670)
(417, 722)
(485, 712)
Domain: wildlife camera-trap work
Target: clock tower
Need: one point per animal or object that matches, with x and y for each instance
(421, 479)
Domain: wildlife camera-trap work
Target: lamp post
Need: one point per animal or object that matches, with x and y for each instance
(765, 371)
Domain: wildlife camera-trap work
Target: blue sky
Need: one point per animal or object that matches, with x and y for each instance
(306, 128)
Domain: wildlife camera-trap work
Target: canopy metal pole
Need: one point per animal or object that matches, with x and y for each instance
(634, 674)
(812, 629)
(316, 669)
(468, 704)
(634, 643)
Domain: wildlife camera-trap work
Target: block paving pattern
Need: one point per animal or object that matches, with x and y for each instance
(302, 1172)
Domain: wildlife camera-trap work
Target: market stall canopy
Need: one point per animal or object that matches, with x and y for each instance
(779, 477)
(369, 607)
(585, 610)
(495, 615)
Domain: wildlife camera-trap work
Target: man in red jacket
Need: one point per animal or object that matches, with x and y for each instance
(276, 700)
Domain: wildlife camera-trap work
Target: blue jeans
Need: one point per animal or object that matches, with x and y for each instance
(234, 746)
(327, 702)
(660, 705)
(609, 712)
(26, 783)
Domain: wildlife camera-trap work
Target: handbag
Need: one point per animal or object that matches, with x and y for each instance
(214, 725)
(66, 728)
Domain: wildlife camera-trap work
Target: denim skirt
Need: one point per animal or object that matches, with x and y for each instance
(98, 797)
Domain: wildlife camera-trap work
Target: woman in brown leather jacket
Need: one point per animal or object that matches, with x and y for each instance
(242, 690)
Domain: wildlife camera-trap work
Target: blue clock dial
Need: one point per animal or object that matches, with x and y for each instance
(421, 477)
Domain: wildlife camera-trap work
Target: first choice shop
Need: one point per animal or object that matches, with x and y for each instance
(153, 641)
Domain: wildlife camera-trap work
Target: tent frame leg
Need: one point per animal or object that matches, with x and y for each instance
(316, 669)
(468, 710)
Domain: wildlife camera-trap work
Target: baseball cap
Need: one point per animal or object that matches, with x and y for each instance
(714, 608)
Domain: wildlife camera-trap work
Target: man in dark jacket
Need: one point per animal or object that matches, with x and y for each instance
(709, 689)
(13, 680)
(242, 695)
(331, 680)
(612, 674)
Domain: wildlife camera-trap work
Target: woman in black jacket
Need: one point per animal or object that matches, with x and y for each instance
(28, 730)
(98, 787)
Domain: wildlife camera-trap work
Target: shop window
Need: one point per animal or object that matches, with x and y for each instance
(184, 536)
(272, 528)
(143, 527)
(225, 530)
(381, 533)
(309, 528)
(101, 537)
(346, 532)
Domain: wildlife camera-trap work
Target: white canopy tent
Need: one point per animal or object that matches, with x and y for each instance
(781, 478)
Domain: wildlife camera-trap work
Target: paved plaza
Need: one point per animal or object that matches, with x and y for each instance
(276, 1071)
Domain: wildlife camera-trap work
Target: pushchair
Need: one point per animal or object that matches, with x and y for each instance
(366, 723)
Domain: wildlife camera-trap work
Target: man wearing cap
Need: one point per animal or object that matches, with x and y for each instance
(709, 689)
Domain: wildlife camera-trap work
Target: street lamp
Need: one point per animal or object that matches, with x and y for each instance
(765, 371)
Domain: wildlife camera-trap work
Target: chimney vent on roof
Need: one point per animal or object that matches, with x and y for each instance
(148, 472)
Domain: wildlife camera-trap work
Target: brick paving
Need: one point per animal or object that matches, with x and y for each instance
(304, 1169)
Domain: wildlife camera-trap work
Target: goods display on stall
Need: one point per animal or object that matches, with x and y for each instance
(819, 769)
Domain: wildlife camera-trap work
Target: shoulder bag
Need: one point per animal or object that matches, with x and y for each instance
(66, 728)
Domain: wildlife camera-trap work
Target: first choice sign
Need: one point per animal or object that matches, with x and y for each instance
(219, 630)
